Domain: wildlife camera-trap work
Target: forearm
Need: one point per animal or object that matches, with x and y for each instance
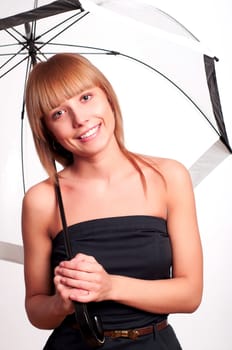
(46, 312)
(162, 296)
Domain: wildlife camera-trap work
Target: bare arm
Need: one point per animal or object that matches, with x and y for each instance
(183, 292)
(44, 305)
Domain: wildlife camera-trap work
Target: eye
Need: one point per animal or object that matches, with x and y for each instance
(57, 114)
(86, 97)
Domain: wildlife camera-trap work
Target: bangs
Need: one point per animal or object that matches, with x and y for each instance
(54, 82)
(54, 90)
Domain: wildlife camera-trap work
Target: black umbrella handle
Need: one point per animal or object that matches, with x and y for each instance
(90, 326)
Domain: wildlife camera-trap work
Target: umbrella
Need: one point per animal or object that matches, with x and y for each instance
(147, 38)
(150, 38)
(141, 39)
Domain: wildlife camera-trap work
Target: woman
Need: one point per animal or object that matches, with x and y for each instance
(131, 218)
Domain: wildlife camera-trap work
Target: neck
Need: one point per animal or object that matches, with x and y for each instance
(104, 165)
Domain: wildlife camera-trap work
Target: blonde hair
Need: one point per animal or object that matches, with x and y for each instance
(61, 77)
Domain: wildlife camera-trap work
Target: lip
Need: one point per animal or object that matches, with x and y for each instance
(89, 133)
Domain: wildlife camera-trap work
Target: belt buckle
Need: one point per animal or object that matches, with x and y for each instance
(133, 334)
(130, 333)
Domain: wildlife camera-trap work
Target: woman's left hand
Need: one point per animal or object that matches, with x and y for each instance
(86, 278)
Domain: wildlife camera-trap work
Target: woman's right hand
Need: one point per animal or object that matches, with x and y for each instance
(63, 293)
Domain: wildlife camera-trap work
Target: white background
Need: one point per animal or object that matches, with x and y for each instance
(209, 326)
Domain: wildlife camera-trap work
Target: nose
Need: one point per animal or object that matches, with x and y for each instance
(78, 119)
(78, 114)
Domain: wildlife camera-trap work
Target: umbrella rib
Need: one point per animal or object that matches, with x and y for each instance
(40, 53)
(13, 36)
(16, 31)
(22, 150)
(13, 54)
(61, 23)
(9, 70)
(11, 58)
(9, 45)
(173, 83)
(34, 39)
(103, 51)
(177, 22)
(28, 69)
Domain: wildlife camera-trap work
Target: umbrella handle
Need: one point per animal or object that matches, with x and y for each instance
(90, 327)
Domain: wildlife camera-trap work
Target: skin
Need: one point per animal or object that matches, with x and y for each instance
(100, 176)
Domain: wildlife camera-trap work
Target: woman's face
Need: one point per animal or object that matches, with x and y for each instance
(83, 124)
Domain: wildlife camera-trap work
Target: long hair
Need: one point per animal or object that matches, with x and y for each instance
(61, 77)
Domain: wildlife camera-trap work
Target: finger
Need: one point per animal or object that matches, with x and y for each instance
(77, 259)
(88, 266)
(57, 271)
(84, 257)
(62, 290)
(78, 284)
(81, 297)
(77, 275)
(89, 296)
(85, 266)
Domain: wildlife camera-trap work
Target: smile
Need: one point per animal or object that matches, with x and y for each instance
(89, 133)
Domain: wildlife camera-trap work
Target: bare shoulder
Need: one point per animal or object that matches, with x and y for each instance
(179, 189)
(173, 171)
(39, 211)
(40, 197)
(172, 168)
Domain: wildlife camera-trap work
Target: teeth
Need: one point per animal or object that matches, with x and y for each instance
(89, 133)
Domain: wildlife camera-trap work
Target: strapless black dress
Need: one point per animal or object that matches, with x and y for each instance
(136, 246)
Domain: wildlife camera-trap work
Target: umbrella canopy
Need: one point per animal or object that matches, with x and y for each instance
(139, 33)
(134, 44)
